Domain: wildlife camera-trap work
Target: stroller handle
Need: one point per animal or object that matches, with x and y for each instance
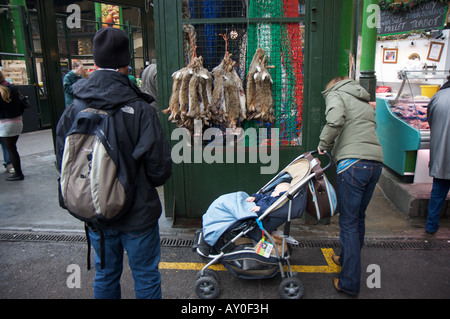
(329, 157)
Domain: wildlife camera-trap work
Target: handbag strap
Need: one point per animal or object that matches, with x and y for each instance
(316, 168)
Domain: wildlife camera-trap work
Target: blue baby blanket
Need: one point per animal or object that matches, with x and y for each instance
(223, 212)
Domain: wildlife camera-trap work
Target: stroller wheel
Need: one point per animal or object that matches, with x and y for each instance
(207, 287)
(210, 273)
(291, 288)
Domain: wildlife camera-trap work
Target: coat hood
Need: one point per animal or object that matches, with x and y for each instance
(350, 87)
(107, 89)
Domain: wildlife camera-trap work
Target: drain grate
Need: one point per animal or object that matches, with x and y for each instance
(409, 245)
(176, 242)
(317, 244)
(167, 242)
(41, 237)
(187, 242)
(392, 245)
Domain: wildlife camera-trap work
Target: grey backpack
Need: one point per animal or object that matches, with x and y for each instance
(94, 183)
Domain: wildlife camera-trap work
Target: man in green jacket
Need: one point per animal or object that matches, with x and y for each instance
(350, 135)
(77, 73)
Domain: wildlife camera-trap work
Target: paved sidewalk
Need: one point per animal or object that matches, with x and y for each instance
(37, 267)
(32, 205)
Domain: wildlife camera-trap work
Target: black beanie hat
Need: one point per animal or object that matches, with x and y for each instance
(111, 48)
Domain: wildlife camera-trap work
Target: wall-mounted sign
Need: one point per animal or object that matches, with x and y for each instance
(434, 54)
(427, 16)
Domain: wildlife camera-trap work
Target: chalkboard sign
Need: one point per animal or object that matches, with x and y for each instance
(430, 15)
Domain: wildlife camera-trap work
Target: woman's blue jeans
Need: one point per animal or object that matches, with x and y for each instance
(438, 195)
(355, 187)
(143, 251)
(6, 159)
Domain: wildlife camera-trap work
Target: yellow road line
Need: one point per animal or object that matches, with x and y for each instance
(330, 268)
(327, 252)
(188, 266)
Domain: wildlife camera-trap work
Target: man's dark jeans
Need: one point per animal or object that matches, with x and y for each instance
(143, 250)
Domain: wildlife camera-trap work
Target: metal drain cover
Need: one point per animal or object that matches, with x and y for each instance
(187, 242)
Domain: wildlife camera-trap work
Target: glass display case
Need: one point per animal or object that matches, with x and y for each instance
(402, 123)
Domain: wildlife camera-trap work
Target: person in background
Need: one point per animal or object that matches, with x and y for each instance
(77, 73)
(350, 135)
(439, 120)
(131, 76)
(11, 124)
(149, 83)
(6, 160)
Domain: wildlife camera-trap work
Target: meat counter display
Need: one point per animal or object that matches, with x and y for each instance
(402, 124)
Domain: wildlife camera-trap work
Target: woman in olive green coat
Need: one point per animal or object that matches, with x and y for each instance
(350, 135)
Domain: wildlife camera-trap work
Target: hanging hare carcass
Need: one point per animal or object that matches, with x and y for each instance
(259, 89)
(191, 94)
(229, 101)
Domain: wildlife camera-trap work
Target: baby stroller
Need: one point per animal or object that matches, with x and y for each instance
(230, 231)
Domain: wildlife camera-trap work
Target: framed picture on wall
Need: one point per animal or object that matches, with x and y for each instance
(390, 55)
(434, 54)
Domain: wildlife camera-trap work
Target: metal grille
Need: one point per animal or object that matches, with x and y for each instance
(211, 46)
(201, 9)
(408, 245)
(176, 242)
(38, 237)
(375, 244)
(188, 242)
(41, 237)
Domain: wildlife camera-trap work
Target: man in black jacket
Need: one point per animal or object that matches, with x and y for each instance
(147, 154)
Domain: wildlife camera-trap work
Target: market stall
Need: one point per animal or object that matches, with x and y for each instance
(402, 125)
(412, 54)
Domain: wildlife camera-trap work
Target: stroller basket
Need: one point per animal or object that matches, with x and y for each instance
(233, 243)
(247, 264)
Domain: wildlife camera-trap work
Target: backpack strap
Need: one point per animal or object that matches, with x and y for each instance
(88, 239)
(102, 247)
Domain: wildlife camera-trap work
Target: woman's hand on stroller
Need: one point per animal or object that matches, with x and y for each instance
(255, 209)
(321, 152)
(250, 199)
